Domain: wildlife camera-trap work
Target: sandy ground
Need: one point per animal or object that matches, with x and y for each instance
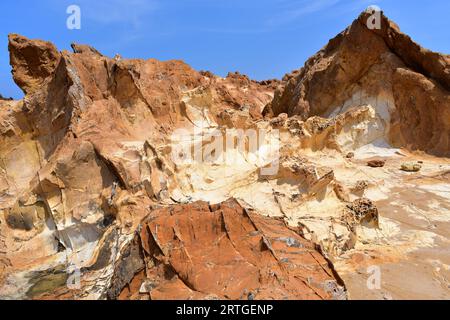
(412, 246)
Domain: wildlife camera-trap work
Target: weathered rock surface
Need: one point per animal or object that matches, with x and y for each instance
(406, 84)
(411, 167)
(97, 200)
(376, 163)
(199, 251)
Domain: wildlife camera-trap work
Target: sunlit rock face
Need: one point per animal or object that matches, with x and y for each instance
(202, 251)
(408, 85)
(142, 179)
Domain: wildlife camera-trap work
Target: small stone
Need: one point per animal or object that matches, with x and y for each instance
(376, 163)
(350, 155)
(411, 167)
(364, 211)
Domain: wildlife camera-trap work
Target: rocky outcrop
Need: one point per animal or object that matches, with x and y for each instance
(376, 163)
(223, 251)
(116, 174)
(85, 154)
(33, 62)
(407, 84)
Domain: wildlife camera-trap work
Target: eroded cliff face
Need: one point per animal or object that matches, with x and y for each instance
(101, 198)
(407, 84)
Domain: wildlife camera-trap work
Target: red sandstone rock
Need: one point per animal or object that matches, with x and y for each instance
(225, 252)
(88, 185)
(383, 67)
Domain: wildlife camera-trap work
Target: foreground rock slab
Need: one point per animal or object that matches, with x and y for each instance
(199, 251)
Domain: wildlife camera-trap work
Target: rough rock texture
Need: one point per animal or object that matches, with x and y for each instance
(199, 251)
(32, 63)
(98, 201)
(81, 154)
(411, 167)
(407, 84)
(376, 163)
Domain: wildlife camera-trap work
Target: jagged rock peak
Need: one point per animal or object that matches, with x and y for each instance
(383, 67)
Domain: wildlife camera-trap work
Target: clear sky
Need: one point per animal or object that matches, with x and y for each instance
(261, 38)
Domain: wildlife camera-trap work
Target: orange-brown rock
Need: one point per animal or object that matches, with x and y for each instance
(32, 62)
(384, 68)
(376, 163)
(82, 157)
(93, 204)
(199, 251)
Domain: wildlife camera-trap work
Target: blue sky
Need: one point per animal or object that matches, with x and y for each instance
(261, 38)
